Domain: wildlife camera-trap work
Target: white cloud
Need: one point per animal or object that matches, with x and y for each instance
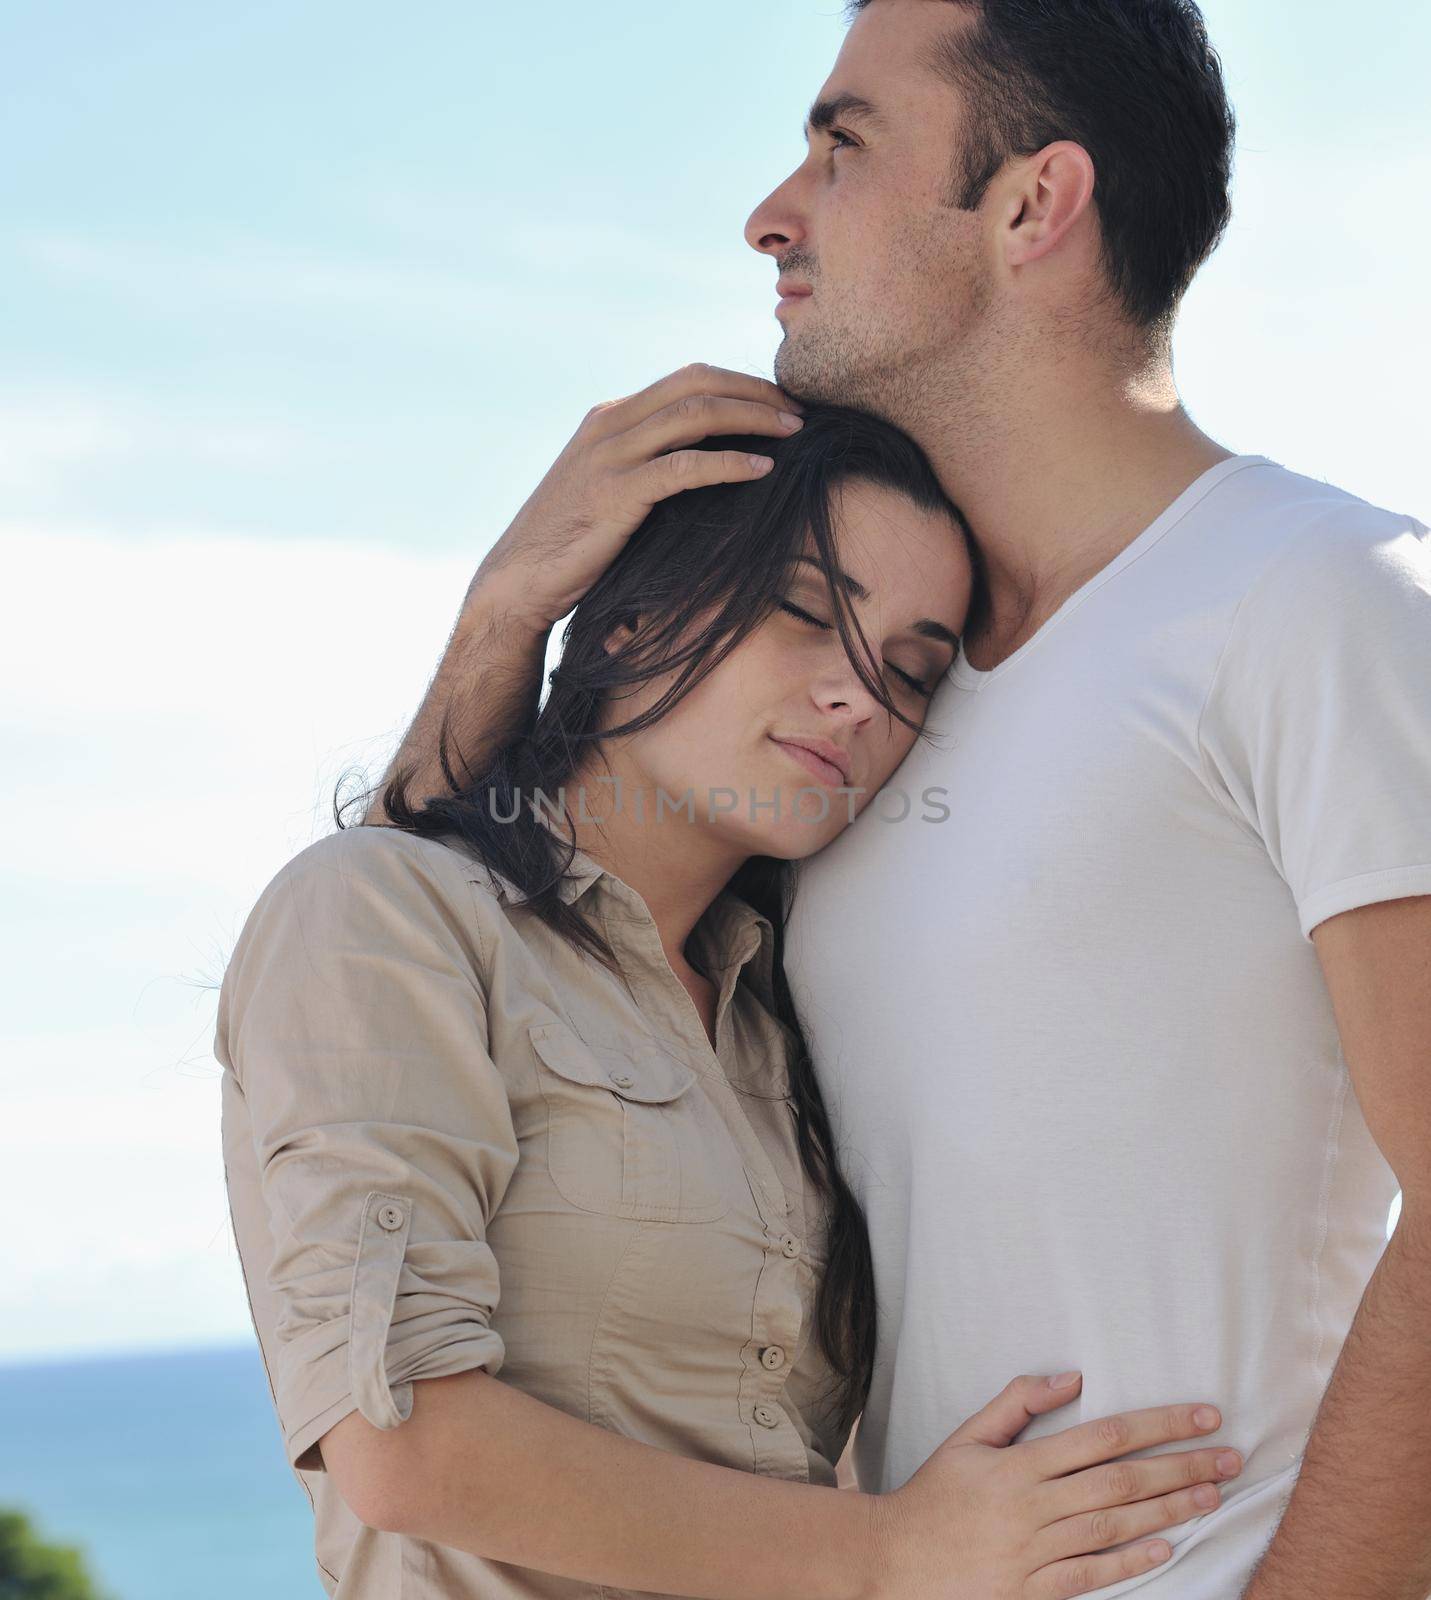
(48, 431)
(175, 713)
(111, 1135)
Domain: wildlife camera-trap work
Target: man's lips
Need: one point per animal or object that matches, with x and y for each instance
(791, 293)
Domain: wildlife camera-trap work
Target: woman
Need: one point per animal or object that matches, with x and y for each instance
(516, 1085)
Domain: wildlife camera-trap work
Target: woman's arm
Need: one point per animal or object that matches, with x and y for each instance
(482, 1467)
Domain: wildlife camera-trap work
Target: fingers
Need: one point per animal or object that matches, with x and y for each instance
(1077, 1576)
(694, 469)
(701, 416)
(700, 376)
(1011, 1411)
(1096, 1530)
(618, 416)
(1116, 1435)
(1124, 1481)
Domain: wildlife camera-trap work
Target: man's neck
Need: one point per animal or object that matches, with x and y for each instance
(1057, 471)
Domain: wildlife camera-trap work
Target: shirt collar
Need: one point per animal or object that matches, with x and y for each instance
(729, 932)
(583, 871)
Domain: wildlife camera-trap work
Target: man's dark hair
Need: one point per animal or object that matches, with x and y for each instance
(1138, 85)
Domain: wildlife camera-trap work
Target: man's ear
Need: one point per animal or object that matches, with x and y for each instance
(1047, 195)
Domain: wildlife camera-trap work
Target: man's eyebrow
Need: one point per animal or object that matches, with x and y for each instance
(926, 625)
(825, 113)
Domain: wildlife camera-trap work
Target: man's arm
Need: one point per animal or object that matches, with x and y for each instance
(488, 684)
(625, 457)
(1358, 1524)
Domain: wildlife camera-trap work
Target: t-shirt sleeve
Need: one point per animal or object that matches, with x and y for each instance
(1316, 732)
(353, 1021)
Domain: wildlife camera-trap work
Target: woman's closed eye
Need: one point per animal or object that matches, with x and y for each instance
(917, 684)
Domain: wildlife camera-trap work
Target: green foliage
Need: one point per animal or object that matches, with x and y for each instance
(32, 1569)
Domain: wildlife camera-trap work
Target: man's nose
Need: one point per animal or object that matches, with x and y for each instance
(775, 224)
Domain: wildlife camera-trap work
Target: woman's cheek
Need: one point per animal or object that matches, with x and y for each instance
(889, 757)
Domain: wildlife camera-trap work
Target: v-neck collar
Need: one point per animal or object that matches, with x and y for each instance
(974, 678)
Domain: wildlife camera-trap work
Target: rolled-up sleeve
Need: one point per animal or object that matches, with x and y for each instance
(352, 1016)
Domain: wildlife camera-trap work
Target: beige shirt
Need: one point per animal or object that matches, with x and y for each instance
(453, 1141)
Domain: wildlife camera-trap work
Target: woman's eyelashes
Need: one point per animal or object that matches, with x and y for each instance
(917, 684)
(804, 616)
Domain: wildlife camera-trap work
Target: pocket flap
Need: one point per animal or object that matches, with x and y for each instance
(634, 1073)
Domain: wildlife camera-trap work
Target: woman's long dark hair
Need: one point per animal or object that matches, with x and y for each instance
(727, 549)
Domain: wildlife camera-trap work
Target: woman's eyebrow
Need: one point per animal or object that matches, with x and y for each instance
(854, 585)
(926, 625)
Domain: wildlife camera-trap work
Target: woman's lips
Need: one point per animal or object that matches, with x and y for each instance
(826, 771)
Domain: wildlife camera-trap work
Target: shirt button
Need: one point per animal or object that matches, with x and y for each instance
(790, 1246)
(622, 1080)
(390, 1217)
(772, 1356)
(767, 1417)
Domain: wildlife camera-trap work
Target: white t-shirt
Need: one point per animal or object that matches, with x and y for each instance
(1073, 1035)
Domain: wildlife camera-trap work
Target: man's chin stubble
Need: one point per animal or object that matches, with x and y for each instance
(807, 368)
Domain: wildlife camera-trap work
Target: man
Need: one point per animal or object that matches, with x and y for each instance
(1147, 1052)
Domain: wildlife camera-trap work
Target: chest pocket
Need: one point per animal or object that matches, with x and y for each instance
(628, 1134)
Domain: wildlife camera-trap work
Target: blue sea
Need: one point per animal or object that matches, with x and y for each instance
(166, 1469)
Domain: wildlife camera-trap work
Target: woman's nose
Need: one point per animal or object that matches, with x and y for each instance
(845, 697)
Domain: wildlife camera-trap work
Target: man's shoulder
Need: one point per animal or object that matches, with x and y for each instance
(1293, 533)
(1310, 563)
(1295, 509)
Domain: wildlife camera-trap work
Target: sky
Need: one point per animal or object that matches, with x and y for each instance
(301, 301)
